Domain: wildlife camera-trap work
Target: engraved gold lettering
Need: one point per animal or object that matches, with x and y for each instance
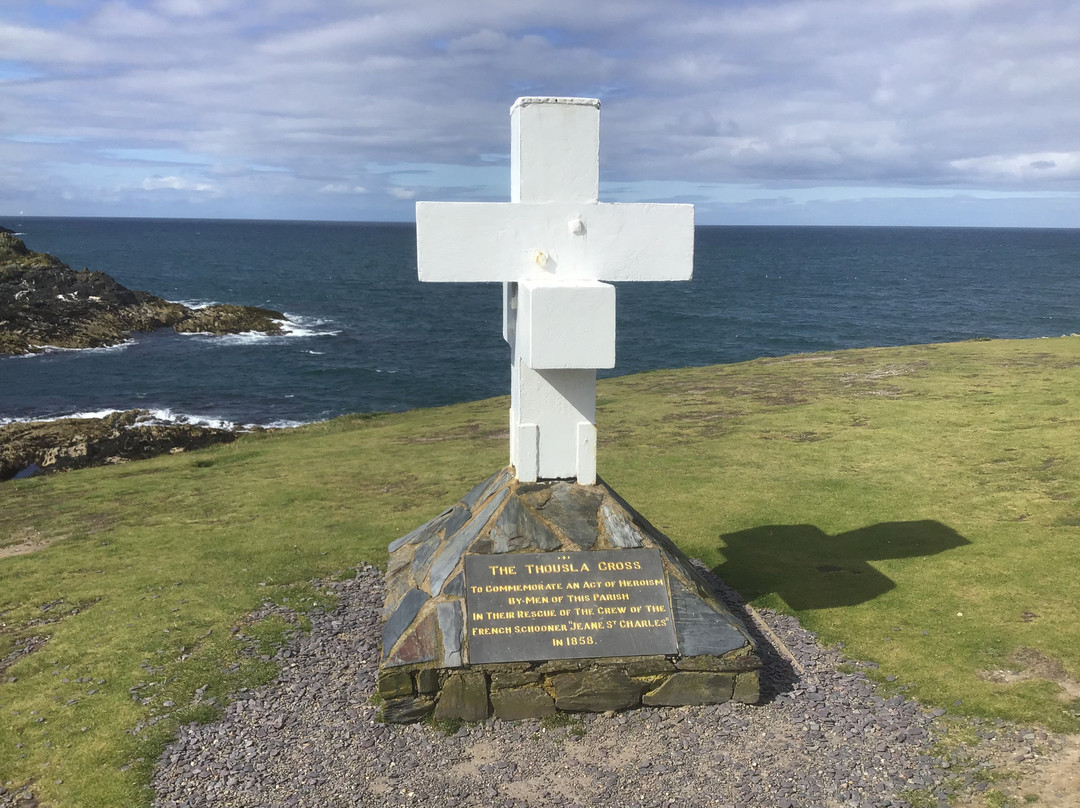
(533, 615)
(618, 566)
(552, 569)
(643, 623)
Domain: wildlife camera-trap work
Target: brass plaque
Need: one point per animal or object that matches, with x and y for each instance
(537, 606)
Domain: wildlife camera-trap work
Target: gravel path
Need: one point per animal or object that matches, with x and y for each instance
(823, 738)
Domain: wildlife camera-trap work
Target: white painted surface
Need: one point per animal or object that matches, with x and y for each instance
(555, 150)
(566, 325)
(618, 242)
(550, 247)
(549, 410)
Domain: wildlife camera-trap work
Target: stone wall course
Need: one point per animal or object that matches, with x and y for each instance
(392, 684)
(465, 696)
(513, 679)
(519, 703)
(407, 710)
(596, 690)
(747, 688)
(695, 688)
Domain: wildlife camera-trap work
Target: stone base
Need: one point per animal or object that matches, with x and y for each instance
(517, 691)
(425, 667)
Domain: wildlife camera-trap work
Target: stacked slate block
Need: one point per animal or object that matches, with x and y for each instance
(425, 668)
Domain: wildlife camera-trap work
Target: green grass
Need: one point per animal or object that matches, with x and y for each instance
(878, 494)
(573, 724)
(447, 726)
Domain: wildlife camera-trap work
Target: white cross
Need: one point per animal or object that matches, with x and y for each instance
(551, 247)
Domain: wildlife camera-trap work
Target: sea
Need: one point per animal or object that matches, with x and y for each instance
(364, 335)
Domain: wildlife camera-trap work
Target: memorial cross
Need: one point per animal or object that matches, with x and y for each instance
(552, 247)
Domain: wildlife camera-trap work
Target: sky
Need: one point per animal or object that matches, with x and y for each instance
(822, 112)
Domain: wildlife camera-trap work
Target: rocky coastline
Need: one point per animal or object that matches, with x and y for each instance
(45, 304)
(40, 447)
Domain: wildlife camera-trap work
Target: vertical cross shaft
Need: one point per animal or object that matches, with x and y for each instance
(554, 157)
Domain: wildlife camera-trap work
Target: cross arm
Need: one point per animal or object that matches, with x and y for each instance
(498, 241)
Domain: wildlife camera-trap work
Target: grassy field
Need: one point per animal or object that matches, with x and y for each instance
(919, 504)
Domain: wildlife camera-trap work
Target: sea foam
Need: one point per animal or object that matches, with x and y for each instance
(161, 416)
(293, 326)
(46, 350)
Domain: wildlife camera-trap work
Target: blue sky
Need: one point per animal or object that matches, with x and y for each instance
(913, 112)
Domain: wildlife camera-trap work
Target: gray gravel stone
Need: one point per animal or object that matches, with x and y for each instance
(313, 738)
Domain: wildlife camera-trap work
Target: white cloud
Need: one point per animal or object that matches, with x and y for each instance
(1052, 166)
(176, 184)
(193, 8)
(972, 94)
(119, 19)
(38, 46)
(342, 188)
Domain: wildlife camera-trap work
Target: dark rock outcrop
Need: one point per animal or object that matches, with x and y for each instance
(44, 303)
(71, 443)
(5, 230)
(227, 319)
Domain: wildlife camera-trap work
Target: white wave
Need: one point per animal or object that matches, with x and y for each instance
(296, 325)
(5, 421)
(168, 416)
(243, 338)
(293, 326)
(83, 414)
(162, 416)
(45, 418)
(316, 353)
(45, 350)
(152, 416)
(282, 423)
(196, 304)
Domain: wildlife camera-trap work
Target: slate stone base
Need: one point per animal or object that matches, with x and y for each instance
(425, 669)
(514, 691)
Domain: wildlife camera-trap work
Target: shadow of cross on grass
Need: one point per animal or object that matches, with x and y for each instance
(810, 569)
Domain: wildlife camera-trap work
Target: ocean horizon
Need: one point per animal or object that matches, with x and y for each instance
(365, 335)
